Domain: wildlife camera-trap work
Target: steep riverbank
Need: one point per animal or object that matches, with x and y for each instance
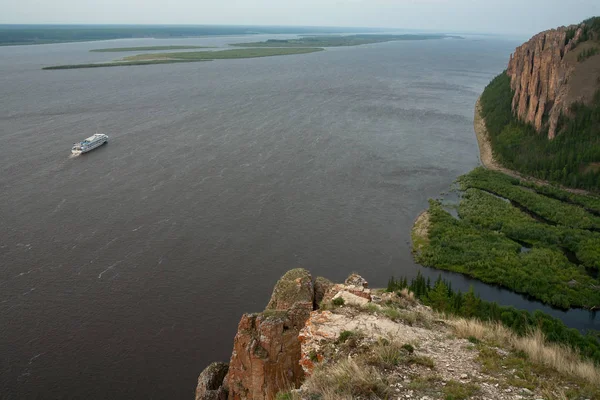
(486, 154)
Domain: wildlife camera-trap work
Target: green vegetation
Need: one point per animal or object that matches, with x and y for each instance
(284, 396)
(519, 369)
(119, 64)
(590, 203)
(553, 210)
(409, 348)
(392, 313)
(525, 241)
(441, 297)
(146, 48)
(337, 41)
(585, 54)
(459, 391)
(43, 34)
(222, 54)
(344, 335)
(338, 301)
(570, 158)
(170, 58)
(591, 30)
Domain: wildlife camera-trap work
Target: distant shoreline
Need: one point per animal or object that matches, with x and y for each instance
(25, 35)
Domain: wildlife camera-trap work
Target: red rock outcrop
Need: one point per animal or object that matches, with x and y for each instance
(266, 350)
(539, 72)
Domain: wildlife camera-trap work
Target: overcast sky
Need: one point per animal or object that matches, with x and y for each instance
(492, 16)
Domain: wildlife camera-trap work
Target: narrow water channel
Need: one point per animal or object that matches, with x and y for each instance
(580, 319)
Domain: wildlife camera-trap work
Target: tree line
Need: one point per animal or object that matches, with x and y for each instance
(441, 297)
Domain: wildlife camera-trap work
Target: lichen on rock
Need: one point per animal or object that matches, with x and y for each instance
(266, 350)
(294, 287)
(210, 382)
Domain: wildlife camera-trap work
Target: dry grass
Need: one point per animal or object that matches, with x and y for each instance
(459, 390)
(472, 328)
(346, 379)
(408, 295)
(559, 358)
(420, 232)
(389, 353)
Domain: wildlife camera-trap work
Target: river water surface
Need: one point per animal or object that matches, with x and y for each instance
(124, 272)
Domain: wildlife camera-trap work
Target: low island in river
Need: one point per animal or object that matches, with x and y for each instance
(339, 41)
(146, 48)
(190, 56)
(269, 48)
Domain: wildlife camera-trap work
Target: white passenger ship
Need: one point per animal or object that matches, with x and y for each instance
(90, 143)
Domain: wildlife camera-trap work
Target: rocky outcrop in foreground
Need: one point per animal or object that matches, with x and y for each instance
(364, 344)
(267, 352)
(266, 349)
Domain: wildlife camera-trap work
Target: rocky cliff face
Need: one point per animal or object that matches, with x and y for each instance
(539, 72)
(364, 344)
(268, 352)
(266, 349)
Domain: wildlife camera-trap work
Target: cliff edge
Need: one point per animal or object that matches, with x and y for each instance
(360, 343)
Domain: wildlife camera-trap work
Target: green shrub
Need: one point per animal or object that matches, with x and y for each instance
(284, 396)
(338, 301)
(473, 340)
(391, 313)
(585, 54)
(409, 348)
(345, 335)
(459, 391)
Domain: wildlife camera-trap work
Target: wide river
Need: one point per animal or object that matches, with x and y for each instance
(124, 272)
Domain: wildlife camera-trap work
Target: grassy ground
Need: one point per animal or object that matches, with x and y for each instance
(192, 56)
(440, 358)
(146, 48)
(221, 55)
(119, 64)
(337, 41)
(525, 240)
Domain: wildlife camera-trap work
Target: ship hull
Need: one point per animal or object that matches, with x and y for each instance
(89, 147)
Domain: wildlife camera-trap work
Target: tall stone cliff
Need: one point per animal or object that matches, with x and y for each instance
(539, 71)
